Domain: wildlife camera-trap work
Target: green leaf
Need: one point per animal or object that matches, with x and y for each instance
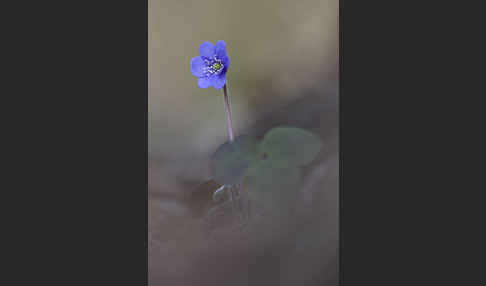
(273, 187)
(231, 160)
(289, 146)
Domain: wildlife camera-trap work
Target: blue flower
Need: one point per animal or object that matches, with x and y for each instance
(211, 66)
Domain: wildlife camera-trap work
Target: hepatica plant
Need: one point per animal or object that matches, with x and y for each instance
(268, 169)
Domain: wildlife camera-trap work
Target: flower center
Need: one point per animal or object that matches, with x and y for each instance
(214, 66)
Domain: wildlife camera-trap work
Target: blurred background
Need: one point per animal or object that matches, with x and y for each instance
(284, 70)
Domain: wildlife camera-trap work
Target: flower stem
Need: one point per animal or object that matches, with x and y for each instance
(228, 114)
(234, 190)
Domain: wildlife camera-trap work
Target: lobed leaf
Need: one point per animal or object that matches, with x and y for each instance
(231, 160)
(290, 146)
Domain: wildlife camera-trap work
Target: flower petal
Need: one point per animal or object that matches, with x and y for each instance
(204, 82)
(218, 81)
(206, 50)
(220, 50)
(220, 47)
(197, 65)
(226, 62)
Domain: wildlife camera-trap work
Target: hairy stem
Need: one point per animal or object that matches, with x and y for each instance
(228, 114)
